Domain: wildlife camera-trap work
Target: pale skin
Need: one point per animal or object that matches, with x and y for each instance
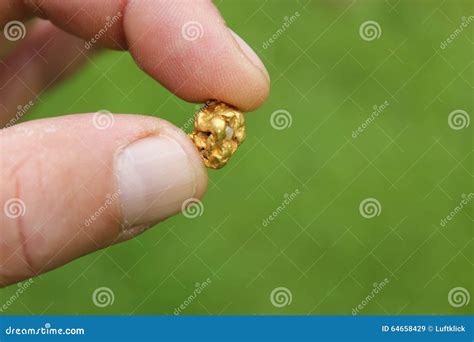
(63, 169)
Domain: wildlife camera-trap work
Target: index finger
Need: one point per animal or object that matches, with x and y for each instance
(185, 45)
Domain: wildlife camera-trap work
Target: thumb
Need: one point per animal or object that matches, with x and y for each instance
(75, 184)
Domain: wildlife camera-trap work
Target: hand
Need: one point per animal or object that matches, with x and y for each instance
(68, 187)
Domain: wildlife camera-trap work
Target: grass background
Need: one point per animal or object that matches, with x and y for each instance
(319, 247)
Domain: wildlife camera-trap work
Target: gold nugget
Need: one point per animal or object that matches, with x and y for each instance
(219, 129)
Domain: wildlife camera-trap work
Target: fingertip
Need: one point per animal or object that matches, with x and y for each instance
(194, 54)
(251, 55)
(186, 46)
(156, 175)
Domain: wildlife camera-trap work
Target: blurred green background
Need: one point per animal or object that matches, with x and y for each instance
(319, 247)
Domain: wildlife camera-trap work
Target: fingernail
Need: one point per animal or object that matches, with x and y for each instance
(251, 55)
(155, 177)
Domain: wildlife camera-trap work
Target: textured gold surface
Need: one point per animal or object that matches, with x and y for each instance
(219, 129)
